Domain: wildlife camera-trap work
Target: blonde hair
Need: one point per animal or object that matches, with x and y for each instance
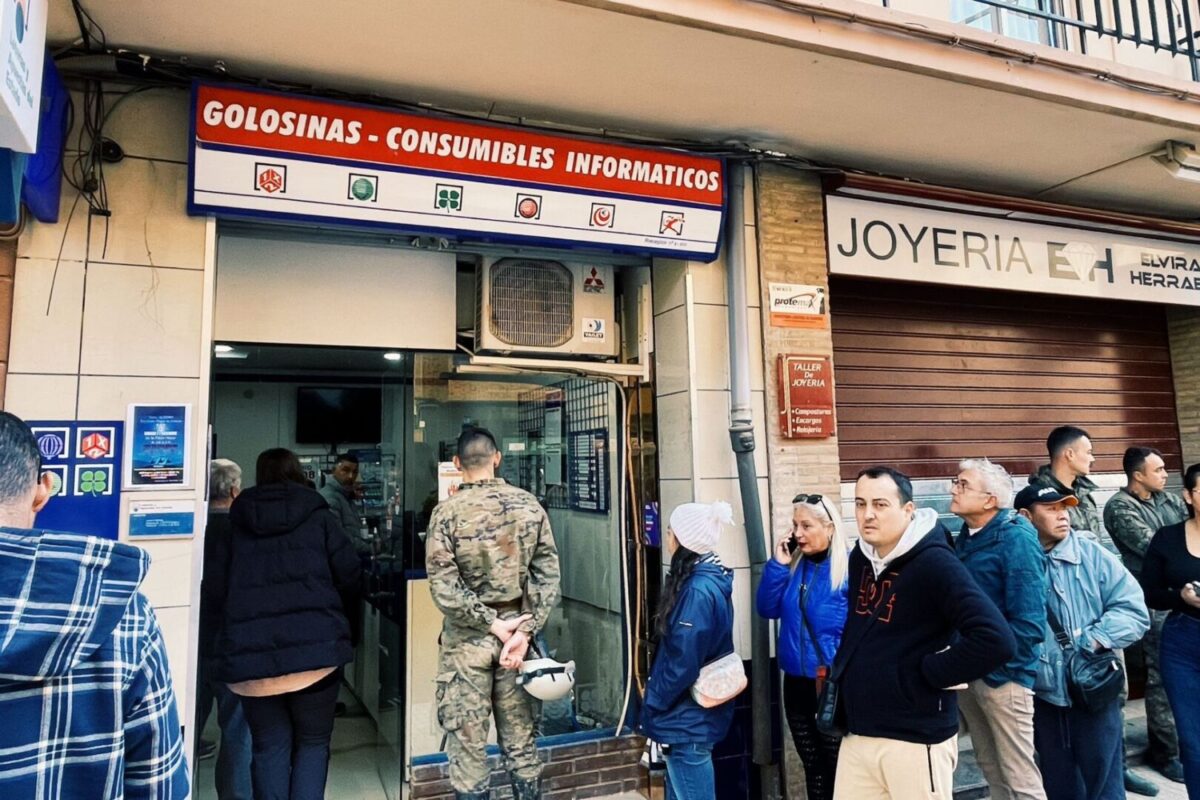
(839, 546)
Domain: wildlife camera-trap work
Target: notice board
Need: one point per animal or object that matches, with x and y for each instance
(805, 397)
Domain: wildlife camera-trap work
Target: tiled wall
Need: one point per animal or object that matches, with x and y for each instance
(117, 318)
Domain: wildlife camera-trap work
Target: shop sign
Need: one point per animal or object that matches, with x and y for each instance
(257, 153)
(805, 397)
(795, 305)
(82, 461)
(888, 240)
(23, 54)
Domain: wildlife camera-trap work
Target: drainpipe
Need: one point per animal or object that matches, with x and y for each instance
(741, 436)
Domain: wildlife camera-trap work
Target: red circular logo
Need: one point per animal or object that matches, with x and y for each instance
(528, 208)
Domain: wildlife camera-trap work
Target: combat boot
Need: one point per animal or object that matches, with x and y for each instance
(526, 790)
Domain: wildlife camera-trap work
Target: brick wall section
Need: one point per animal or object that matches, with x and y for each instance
(8, 267)
(1183, 328)
(791, 249)
(573, 772)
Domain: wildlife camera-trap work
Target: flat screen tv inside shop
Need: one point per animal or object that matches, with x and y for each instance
(334, 415)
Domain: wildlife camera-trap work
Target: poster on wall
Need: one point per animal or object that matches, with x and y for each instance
(162, 519)
(795, 305)
(805, 397)
(82, 460)
(159, 455)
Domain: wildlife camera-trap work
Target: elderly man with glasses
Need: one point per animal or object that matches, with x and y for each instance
(1000, 549)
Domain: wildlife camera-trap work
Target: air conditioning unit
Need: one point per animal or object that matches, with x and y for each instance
(533, 305)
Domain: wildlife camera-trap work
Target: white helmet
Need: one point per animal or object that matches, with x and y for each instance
(547, 679)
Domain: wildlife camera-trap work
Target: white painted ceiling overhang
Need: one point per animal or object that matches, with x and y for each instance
(591, 64)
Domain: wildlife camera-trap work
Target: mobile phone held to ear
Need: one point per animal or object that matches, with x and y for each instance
(792, 544)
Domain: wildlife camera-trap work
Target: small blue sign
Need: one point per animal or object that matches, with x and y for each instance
(82, 460)
(151, 519)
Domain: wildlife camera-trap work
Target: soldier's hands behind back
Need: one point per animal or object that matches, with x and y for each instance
(503, 629)
(513, 653)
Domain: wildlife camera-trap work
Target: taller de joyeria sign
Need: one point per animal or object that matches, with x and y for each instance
(885, 240)
(281, 155)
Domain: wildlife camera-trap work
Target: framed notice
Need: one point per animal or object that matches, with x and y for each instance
(805, 397)
(159, 455)
(795, 305)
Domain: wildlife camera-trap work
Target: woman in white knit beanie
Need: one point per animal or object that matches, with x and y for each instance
(694, 627)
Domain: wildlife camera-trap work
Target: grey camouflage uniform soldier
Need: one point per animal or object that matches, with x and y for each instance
(1133, 515)
(494, 573)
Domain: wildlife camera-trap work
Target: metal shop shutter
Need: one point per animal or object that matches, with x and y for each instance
(927, 375)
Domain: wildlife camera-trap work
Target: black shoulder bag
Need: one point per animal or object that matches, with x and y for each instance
(1094, 680)
(831, 717)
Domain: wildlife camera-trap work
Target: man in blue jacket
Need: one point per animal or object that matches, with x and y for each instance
(918, 629)
(1100, 606)
(1000, 549)
(85, 693)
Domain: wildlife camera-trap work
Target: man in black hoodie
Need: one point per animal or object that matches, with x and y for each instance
(917, 629)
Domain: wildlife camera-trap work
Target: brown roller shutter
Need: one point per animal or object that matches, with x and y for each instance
(929, 375)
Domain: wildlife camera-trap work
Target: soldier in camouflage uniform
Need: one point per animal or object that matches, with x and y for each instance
(493, 571)
(1071, 460)
(1133, 515)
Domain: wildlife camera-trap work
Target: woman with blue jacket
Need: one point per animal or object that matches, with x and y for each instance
(804, 586)
(694, 627)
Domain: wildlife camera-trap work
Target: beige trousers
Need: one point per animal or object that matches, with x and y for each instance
(870, 768)
(1000, 722)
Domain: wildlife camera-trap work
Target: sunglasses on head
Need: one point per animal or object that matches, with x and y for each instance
(813, 500)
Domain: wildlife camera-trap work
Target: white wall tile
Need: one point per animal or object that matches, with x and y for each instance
(103, 397)
(667, 279)
(47, 240)
(753, 277)
(733, 548)
(671, 495)
(757, 366)
(174, 625)
(712, 346)
(743, 612)
(169, 582)
(47, 315)
(149, 223)
(41, 397)
(142, 321)
(714, 455)
(674, 436)
(708, 281)
(671, 351)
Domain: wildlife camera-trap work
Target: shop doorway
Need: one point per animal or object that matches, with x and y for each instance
(399, 412)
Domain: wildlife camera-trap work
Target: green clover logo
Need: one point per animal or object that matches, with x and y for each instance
(449, 199)
(93, 481)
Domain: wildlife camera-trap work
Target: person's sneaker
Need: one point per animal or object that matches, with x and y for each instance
(1172, 770)
(207, 750)
(1138, 785)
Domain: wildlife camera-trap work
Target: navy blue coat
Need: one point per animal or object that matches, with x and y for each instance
(699, 630)
(281, 579)
(824, 605)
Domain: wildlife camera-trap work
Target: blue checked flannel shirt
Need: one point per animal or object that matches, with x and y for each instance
(87, 711)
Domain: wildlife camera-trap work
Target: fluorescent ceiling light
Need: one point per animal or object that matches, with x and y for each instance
(393, 356)
(1181, 160)
(223, 348)
(231, 353)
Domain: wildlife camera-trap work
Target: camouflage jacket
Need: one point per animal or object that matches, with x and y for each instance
(488, 545)
(1085, 517)
(1132, 522)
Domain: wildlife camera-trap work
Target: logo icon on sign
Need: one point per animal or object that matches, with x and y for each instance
(51, 445)
(22, 21)
(603, 215)
(529, 206)
(593, 283)
(363, 188)
(448, 197)
(58, 479)
(95, 445)
(593, 329)
(94, 481)
(270, 178)
(671, 222)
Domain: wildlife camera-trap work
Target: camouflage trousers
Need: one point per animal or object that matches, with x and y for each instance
(1160, 724)
(471, 688)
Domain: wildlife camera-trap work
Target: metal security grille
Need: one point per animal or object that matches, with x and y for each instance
(532, 303)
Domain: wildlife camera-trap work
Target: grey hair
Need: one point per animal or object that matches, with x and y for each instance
(996, 480)
(224, 477)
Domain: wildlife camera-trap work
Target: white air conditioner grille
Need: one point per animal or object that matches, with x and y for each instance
(532, 303)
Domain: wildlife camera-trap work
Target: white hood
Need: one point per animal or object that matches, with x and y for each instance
(923, 521)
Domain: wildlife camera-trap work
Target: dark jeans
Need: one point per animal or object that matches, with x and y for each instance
(690, 772)
(818, 753)
(1179, 661)
(233, 757)
(290, 735)
(1080, 752)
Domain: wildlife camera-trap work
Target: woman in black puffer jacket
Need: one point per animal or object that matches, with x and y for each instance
(284, 636)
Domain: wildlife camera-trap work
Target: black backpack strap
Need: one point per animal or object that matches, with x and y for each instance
(1060, 635)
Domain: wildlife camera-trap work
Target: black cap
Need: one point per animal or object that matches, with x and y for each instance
(1039, 493)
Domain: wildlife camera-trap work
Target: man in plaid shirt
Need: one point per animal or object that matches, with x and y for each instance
(87, 711)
